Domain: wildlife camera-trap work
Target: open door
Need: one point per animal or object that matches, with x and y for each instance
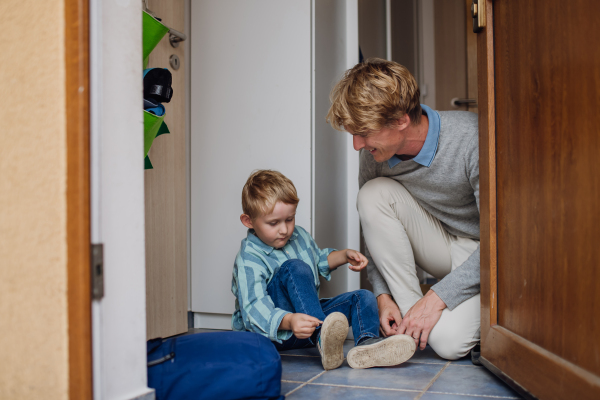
(539, 80)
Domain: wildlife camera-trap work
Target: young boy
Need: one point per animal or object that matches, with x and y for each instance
(276, 285)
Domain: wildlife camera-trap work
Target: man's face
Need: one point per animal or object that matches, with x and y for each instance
(276, 228)
(382, 144)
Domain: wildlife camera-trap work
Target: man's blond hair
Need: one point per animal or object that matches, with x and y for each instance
(263, 189)
(373, 95)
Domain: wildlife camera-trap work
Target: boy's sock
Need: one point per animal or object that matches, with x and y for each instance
(382, 352)
(331, 340)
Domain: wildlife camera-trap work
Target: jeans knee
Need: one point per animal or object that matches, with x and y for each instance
(366, 298)
(297, 268)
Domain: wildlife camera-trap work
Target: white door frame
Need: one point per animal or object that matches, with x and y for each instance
(117, 200)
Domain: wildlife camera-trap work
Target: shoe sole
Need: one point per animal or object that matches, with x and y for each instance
(333, 334)
(392, 351)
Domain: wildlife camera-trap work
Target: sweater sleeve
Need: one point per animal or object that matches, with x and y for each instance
(463, 283)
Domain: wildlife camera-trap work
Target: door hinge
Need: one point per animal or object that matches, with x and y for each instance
(97, 264)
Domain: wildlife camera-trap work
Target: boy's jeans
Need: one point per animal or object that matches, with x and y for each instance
(293, 289)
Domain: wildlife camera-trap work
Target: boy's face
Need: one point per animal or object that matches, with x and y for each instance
(276, 228)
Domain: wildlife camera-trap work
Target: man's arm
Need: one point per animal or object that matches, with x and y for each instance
(463, 283)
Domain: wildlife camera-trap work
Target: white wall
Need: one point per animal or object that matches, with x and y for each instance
(250, 109)
(119, 319)
(261, 73)
(336, 162)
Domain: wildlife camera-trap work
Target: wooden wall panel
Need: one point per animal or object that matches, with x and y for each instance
(166, 240)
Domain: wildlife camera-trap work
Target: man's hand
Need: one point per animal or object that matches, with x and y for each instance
(422, 317)
(389, 314)
(301, 325)
(356, 259)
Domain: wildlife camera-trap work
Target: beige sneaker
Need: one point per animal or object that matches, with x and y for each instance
(331, 340)
(382, 352)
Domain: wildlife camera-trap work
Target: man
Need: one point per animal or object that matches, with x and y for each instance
(418, 204)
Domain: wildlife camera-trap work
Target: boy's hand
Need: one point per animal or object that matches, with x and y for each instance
(357, 260)
(301, 324)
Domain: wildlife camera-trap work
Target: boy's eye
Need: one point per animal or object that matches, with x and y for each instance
(273, 223)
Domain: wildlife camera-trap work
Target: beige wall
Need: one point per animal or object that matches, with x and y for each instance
(33, 275)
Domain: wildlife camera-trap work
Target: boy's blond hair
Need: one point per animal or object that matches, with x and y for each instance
(373, 95)
(263, 189)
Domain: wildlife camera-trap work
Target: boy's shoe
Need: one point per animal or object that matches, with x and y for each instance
(382, 352)
(331, 340)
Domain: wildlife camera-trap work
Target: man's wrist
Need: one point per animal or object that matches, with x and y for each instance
(438, 302)
(384, 298)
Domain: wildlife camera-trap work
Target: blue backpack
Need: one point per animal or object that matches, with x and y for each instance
(215, 365)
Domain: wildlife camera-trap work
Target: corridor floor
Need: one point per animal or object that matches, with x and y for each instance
(425, 376)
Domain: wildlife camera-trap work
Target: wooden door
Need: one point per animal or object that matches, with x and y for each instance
(539, 79)
(165, 195)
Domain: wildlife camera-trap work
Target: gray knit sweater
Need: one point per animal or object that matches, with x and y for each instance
(449, 190)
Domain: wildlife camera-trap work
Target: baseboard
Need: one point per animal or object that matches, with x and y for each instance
(149, 395)
(212, 321)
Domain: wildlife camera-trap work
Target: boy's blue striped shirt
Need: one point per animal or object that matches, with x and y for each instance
(255, 265)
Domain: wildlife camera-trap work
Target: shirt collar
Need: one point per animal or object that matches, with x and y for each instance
(259, 244)
(427, 153)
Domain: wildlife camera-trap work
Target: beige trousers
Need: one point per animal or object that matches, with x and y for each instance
(401, 234)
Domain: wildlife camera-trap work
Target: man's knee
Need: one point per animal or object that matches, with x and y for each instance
(452, 344)
(376, 193)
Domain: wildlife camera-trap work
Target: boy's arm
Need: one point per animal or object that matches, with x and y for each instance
(340, 257)
(259, 313)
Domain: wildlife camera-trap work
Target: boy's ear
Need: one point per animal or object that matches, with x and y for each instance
(245, 218)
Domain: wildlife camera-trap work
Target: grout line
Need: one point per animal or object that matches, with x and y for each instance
(432, 381)
(304, 384)
(297, 355)
(363, 387)
(476, 395)
(442, 363)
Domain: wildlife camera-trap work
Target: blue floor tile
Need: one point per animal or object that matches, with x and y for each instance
(466, 360)
(314, 352)
(469, 380)
(410, 376)
(287, 387)
(318, 392)
(427, 356)
(445, 396)
(300, 369)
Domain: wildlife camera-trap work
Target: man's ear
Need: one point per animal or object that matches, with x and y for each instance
(245, 218)
(403, 122)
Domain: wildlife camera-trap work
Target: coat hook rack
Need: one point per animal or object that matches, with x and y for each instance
(175, 37)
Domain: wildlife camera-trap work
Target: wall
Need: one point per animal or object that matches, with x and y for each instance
(251, 102)
(335, 171)
(372, 28)
(33, 274)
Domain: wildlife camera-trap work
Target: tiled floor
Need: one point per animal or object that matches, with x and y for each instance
(426, 376)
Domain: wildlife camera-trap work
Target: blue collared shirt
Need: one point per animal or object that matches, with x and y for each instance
(427, 153)
(255, 265)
